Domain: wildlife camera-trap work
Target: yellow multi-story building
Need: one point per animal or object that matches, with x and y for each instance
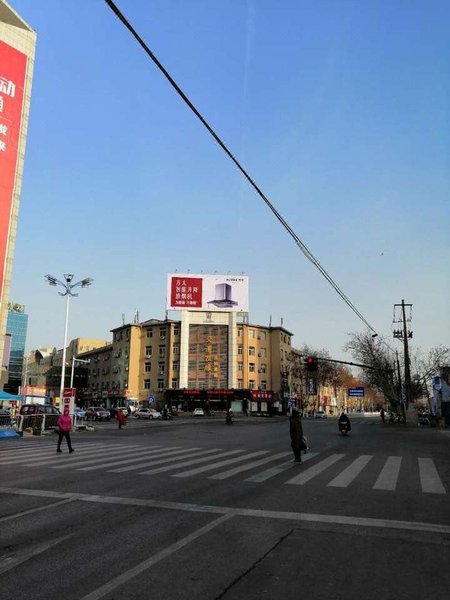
(204, 356)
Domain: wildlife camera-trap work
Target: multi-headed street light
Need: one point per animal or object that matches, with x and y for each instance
(68, 287)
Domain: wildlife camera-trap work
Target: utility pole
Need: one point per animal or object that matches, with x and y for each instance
(404, 334)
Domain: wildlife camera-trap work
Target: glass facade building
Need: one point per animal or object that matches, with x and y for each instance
(16, 326)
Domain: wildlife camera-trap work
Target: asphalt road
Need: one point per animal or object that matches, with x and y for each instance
(195, 509)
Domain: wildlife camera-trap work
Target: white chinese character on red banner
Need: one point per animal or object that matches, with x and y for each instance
(2, 146)
(1, 103)
(3, 129)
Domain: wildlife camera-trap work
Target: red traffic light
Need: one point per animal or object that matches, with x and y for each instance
(311, 363)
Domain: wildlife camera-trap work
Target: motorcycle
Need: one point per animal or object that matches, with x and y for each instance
(344, 428)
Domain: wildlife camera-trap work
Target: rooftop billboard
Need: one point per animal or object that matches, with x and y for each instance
(207, 292)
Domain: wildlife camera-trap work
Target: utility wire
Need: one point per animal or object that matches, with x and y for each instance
(308, 254)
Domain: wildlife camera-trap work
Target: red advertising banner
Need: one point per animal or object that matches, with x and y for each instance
(12, 80)
(186, 292)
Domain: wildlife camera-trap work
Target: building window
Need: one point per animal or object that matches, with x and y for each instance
(251, 333)
(240, 349)
(149, 333)
(262, 335)
(264, 385)
(263, 368)
(174, 384)
(240, 384)
(176, 331)
(240, 332)
(162, 351)
(263, 352)
(251, 384)
(162, 334)
(146, 384)
(160, 368)
(240, 367)
(251, 367)
(251, 351)
(147, 367)
(175, 365)
(160, 384)
(176, 349)
(148, 350)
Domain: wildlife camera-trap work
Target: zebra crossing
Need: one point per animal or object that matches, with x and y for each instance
(332, 470)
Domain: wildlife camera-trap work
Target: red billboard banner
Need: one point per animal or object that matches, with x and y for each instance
(12, 80)
(186, 292)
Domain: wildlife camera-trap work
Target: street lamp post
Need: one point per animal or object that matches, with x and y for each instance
(68, 287)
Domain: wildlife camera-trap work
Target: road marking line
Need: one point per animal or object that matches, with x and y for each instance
(107, 588)
(387, 479)
(192, 452)
(221, 463)
(189, 462)
(242, 512)
(22, 455)
(264, 475)
(55, 458)
(119, 452)
(27, 554)
(305, 476)
(38, 509)
(248, 467)
(143, 455)
(353, 470)
(429, 477)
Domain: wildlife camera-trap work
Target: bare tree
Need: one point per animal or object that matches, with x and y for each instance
(379, 374)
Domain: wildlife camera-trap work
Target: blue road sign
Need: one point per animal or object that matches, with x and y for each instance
(356, 392)
(151, 399)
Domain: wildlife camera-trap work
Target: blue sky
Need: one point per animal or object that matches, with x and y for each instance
(338, 109)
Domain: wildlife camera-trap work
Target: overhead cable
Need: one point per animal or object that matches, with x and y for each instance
(305, 250)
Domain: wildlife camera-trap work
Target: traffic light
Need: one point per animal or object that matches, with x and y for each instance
(311, 363)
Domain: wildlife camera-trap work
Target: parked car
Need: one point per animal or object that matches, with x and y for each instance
(147, 413)
(33, 414)
(198, 412)
(320, 414)
(98, 413)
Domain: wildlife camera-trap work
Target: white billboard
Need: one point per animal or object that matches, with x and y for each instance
(186, 291)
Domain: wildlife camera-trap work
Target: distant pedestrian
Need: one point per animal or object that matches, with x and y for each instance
(129, 410)
(296, 432)
(121, 418)
(382, 415)
(64, 424)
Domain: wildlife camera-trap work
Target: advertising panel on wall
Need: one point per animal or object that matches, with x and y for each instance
(12, 79)
(207, 292)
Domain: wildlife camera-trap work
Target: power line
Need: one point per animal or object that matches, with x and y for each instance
(304, 249)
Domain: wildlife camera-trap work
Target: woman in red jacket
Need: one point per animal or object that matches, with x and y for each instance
(64, 426)
(121, 418)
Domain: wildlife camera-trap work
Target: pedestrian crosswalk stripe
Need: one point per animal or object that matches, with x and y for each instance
(141, 456)
(387, 479)
(188, 463)
(429, 477)
(14, 456)
(221, 463)
(353, 470)
(54, 458)
(248, 467)
(118, 452)
(167, 459)
(305, 476)
(274, 471)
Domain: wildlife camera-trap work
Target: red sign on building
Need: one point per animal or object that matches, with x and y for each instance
(12, 79)
(186, 292)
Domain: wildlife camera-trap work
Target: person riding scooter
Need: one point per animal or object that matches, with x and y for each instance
(344, 423)
(229, 417)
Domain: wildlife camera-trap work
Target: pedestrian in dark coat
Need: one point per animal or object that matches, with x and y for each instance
(121, 418)
(296, 431)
